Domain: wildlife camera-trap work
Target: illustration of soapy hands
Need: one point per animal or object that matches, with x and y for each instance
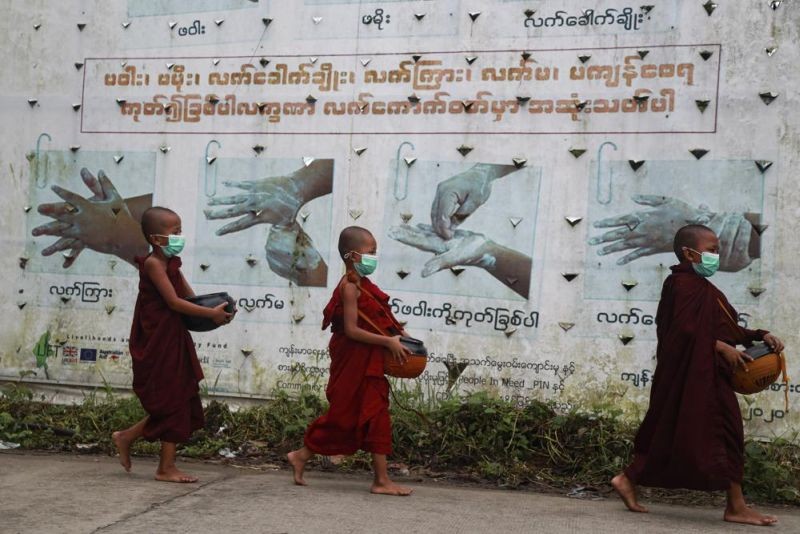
(102, 223)
(648, 231)
(273, 200)
(291, 254)
(276, 200)
(460, 195)
(465, 248)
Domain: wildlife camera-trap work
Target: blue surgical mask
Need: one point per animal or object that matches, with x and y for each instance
(709, 264)
(174, 246)
(367, 265)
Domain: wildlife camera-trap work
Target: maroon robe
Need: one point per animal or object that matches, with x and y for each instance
(358, 392)
(692, 435)
(166, 371)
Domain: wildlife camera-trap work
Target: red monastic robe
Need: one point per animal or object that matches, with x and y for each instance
(166, 370)
(358, 392)
(692, 435)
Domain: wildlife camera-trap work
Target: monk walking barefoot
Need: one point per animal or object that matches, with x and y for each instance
(166, 371)
(737, 511)
(123, 440)
(627, 492)
(123, 449)
(167, 471)
(390, 488)
(123, 444)
(297, 459)
(173, 474)
(382, 485)
(692, 435)
(357, 391)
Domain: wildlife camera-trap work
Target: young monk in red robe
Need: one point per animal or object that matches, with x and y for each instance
(692, 435)
(166, 371)
(358, 392)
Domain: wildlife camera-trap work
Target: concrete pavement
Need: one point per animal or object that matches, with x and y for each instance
(83, 494)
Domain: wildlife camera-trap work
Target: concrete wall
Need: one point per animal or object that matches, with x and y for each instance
(556, 146)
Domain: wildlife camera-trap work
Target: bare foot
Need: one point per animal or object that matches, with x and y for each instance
(173, 474)
(627, 492)
(748, 516)
(390, 488)
(123, 448)
(298, 466)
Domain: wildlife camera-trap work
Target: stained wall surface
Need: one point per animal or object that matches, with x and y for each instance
(523, 165)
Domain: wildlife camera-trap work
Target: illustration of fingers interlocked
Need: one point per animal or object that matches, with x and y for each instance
(79, 221)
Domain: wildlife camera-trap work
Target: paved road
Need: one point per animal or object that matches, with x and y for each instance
(81, 494)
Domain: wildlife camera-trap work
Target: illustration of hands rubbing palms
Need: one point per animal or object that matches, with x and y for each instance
(649, 232)
(277, 200)
(456, 199)
(105, 222)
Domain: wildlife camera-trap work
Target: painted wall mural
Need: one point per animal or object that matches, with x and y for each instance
(523, 167)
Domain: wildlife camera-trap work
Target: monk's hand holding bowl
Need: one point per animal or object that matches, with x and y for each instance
(733, 356)
(219, 315)
(399, 352)
(774, 343)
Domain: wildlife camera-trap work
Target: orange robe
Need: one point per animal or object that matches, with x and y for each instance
(166, 371)
(692, 435)
(357, 391)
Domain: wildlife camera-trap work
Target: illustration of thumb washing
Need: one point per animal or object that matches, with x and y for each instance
(456, 200)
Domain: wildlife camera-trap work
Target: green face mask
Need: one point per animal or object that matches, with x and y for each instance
(709, 264)
(174, 246)
(367, 265)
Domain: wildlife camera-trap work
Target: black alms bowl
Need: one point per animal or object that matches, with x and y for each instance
(211, 300)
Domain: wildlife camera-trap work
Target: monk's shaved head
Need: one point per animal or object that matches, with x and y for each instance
(156, 219)
(353, 238)
(689, 237)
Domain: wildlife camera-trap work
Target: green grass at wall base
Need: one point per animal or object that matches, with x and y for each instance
(477, 437)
